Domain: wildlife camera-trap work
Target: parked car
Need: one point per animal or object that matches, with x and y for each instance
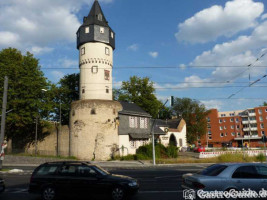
(223, 177)
(79, 178)
(199, 149)
(2, 185)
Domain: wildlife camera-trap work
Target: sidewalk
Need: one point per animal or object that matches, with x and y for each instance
(28, 161)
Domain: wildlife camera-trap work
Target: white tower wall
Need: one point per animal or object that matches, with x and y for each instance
(96, 62)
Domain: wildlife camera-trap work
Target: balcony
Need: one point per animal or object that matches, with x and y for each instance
(253, 121)
(251, 114)
(246, 129)
(244, 122)
(253, 128)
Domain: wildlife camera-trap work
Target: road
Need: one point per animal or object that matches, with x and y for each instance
(155, 183)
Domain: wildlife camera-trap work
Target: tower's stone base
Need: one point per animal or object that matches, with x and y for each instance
(94, 129)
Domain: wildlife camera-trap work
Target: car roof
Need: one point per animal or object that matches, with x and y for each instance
(68, 162)
(240, 164)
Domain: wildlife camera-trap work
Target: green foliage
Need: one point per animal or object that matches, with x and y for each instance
(264, 103)
(145, 152)
(26, 98)
(140, 91)
(67, 92)
(261, 157)
(194, 115)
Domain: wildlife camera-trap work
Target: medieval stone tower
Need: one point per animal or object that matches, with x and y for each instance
(94, 118)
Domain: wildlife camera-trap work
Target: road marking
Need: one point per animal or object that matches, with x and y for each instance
(150, 192)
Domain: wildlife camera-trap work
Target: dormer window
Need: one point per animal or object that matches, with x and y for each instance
(87, 29)
(99, 17)
(102, 30)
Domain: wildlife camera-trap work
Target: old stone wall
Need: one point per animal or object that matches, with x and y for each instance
(48, 146)
(94, 129)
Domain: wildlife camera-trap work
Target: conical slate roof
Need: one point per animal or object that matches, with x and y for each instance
(94, 15)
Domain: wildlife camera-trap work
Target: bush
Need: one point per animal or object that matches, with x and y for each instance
(145, 152)
(261, 158)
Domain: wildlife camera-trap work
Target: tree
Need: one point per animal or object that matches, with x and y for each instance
(264, 103)
(194, 114)
(140, 91)
(67, 92)
(26, 97)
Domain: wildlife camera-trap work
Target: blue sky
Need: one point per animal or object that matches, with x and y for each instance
(184, 46)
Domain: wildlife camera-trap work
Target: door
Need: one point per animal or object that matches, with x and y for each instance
(246, 177)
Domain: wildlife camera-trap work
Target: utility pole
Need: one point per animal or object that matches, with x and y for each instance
(36, 135)
(3, 119)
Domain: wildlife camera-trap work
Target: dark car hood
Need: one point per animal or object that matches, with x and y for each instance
(120, 177)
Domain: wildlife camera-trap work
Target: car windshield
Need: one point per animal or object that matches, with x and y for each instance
(101, 170)
(213, 170)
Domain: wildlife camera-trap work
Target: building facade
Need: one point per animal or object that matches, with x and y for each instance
(235, 128)
(94, 118)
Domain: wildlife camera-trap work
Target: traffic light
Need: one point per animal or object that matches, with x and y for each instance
(172, 100)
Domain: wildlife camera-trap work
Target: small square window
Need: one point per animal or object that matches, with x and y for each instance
(210, 138)
(107, 75)
(102, 30)
(265, 110)
(83, 51)
(232, 127)
(83, 90)
(94, 69)
(232, 119)
(107, 90)
(221, 128)
(262, 126)
(225, 134)
(262, 132)
(233, 134)
(261, 119)
(220, 120)
(260, 111)
(236, 120)
(99, 17)
(107, 51)
(224, 127)
(221, 134)
(87, 29)
(224, 120)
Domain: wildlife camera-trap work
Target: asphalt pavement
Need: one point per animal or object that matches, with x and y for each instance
(157, 183)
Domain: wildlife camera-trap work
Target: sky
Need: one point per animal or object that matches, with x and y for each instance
(212, 51)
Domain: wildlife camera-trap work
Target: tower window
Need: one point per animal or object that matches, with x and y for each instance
(112, 35)
(107, 51)
(99, 17)
(83, 51)
(93, 112)
(87, 29)
(94, 69)
(102, 30)
(107, 74)
(83, 90)
(107, 89)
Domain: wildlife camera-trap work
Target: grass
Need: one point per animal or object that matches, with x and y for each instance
(224, 158)
(44, 156)
(4, 170)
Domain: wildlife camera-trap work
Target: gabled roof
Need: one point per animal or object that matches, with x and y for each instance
(92, 17)
(132, 109)
(171, 124)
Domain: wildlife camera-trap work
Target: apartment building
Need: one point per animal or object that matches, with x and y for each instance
(235, 128)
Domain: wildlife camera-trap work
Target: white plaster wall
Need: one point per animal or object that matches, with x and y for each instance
(178, 135)
(95, 84)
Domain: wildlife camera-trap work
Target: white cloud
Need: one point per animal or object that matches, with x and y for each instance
(29, 24)
(66, 63)
(133, 47)
(263, 17)
(153, 54)
(216, 21)
(57, 75)
(182, 66)
(213, 104)
(40, 50)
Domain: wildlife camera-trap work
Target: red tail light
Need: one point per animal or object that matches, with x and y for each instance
(198, 185)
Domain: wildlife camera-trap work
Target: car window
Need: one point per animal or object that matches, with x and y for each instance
(262, 171)
(213, 170)
(86, 171)
(45, 170)
(68, 170)
(245, 172)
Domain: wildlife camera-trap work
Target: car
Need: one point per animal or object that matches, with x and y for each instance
(2, 185)
(199, 149)
(227, 176)
(55, 179)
